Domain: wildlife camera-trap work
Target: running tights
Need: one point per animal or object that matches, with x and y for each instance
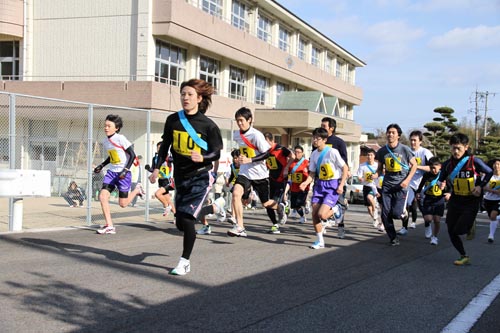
(185, 223)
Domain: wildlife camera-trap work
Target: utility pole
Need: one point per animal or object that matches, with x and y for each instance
(476, 128)
(486, 111)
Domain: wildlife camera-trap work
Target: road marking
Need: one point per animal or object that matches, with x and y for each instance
(464, 321)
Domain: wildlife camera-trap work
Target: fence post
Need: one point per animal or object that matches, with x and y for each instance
(148, 158)
(14, 204)
(90, 137)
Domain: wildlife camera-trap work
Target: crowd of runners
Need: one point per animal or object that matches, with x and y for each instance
(398, 180)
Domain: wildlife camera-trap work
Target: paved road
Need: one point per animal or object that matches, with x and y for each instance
(77, 281)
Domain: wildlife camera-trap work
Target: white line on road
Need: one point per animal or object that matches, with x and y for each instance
(464, 321)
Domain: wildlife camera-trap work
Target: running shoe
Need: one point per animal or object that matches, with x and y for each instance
(107, 230)
(338, 214)
(490, 239)
(428, 232)
(403, 231)
(394, 242)
(463, 260)
(236, 231)
(341, 232)
(205, 230)
(167, 210)
(380, 227)
(141, 192)
(293, 214)
(317, 245)
(281, 213)
(275, 229)
(302, 219)
(287, 208)
(413, 225)
(221, 212)
(307, 209)
(434, 240)
(375, 222)
(182, 268)
(472, 232)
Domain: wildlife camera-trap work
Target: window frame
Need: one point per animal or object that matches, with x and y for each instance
(178, 67)
(212, 77)
(239, 84)
(261, 91)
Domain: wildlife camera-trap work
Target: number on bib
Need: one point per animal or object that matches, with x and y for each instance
(272, 163)
(326, 172)
(183, 144)
(391, 165)
(297, 178)
(368, 176)
(247, 151)
(463, 186)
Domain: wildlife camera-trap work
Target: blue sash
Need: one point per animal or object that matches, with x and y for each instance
(432, 183)
(191, 131)
(320, 159)
(297, 165)
(370, 168)
(406, 167)
(459, 166)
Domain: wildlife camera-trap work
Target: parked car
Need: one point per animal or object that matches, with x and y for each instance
(354, 191)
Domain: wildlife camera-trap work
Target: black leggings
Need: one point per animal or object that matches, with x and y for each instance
(185, 223)
(459, 219)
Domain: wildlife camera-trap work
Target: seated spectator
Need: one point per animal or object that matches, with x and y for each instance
(74, 193)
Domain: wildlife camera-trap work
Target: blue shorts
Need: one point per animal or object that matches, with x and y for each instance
(325, 192)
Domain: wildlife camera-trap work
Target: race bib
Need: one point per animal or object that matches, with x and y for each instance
(114, 158)
(368, 176)
(391, 165)
(164, 171)
(494, 183)
(297, 178)
(434, 190)
(419, 160)
(463, 186)
(183, 144)
(247, 151)
(272, 163)
(325, 172)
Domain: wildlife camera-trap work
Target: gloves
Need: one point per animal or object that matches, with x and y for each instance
(148, 168)
(123, 173)
(98, 168)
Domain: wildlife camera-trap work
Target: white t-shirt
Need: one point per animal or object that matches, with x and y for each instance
(365, 173)
(331, 165)
(422, 155)
(254, 170)
(494, 182)
(115, 146)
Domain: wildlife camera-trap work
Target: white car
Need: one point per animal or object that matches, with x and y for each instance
(354, 191)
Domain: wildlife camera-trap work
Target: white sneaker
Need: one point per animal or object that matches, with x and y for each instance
(293, 213)
(106, 230)
(381, 227)
(428, 232)
(205, 230)
(167, 210)
(302, 219)
(317, 245)
(141, 192)
(434, 240)
(281, 213)
(221, 212)
(375, 222)
(182, 268)
(237, 231)
(307, 209)
(413, 225)
(403, 231)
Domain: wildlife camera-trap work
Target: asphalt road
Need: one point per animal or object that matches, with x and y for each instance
(78, 281)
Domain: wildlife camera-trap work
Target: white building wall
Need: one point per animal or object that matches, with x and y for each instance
(101, 36)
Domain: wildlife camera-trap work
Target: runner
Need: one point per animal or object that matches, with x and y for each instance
(492, 198)
(299, 170)
(365, 174)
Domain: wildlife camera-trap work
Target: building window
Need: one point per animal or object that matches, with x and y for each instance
(213, 7)
(339, 69)
(284, 40)
(238, 16)
(9, 60)
(261, 89)
(280, 87)
(328, 64)
(237, 82)
(301, 50)
(350, 74)
(209, 71)
(264, 29)
(170, 64)
(315, 53)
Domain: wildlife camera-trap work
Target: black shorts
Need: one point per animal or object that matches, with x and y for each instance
(433, 207)
(366, 191)
(260, 186)
(191, 193)
(276, 189)
(298, 199)
(461, 215)
(166, 183)
(491, 205)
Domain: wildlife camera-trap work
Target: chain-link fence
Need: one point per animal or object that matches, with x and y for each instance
(66, 138)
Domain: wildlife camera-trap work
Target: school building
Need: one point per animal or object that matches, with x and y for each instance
(135, 54)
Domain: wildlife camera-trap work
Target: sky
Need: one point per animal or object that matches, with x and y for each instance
(419, 55)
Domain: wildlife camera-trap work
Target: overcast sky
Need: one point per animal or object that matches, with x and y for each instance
(419, 54)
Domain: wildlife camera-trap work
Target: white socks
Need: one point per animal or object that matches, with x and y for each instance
(493, 228)
(320, 237)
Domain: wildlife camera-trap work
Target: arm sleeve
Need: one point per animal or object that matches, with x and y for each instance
(131, 154)
(261, 157)
(482, 167)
